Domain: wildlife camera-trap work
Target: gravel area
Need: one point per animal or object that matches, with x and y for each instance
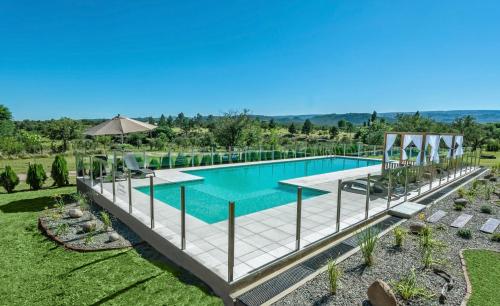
(75, 238)
(392, 263)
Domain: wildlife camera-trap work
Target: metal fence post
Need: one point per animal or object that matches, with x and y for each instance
(431, 176)
(344, 149)
(100, 177)
(91, 171)
(129, 179)
(144, 161)
(367, 202)
(339, 199)
(230, 251)
(114, 183)
(151, 201)
(299, 218)
(406, 183)
(389, 189)
(183, 218)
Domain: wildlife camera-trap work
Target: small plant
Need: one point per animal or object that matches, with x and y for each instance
(9, 179)
(59, 204)
(367, 240)
(464, 233)
(462, 192)
(421, 216)
(36, 176)
(428, 247)
(334, 274)
(62, 229)
(408, 288)
(59, 171)
(90, 236)
(106, 220)
(399, 236)
(82, 201)
(458, 207)
(495, 237)
(485, 209)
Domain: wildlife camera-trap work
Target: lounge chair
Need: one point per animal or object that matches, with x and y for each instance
(376, 188)
(133, 166)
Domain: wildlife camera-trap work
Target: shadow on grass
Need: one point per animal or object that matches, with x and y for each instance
(92, 263)
(32, 204)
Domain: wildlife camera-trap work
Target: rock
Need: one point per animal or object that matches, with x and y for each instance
(493, 179)
(88, 226)
(380, 294)
(482, 181)
(416, 227)
(113, 237)
(75, 213)
(460, 201)
(488, 176)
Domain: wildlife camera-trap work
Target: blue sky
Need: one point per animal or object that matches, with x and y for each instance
(87, 59)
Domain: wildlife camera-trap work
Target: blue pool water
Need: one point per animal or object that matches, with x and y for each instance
(252, 187)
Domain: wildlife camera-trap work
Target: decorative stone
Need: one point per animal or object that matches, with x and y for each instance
(380, 294)
(493, 179)
(460, 201)
(75, 213)
(461, 221)
(113, 237)
(416, 227)
(88, 226)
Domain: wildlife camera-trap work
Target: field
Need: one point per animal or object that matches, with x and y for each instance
(483, 268)
(37, 271)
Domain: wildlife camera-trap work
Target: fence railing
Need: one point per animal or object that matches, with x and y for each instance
(346, 203)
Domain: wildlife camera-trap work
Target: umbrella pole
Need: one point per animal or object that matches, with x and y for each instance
(122, 138)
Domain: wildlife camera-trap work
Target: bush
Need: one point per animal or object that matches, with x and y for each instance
(154, 164)
(486, 209)
(493, 146)
(9, 179)
(495, 237)
(399, 236)
(464, 233)
(408, 287)
(106, 220)
(334, 274)
(36, 176)
(458, 207)
(367, 240)
(59, 171)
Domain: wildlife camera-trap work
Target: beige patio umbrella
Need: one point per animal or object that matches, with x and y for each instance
(119, 125)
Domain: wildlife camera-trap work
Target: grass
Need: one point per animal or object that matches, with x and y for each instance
(20, 165)
(483, 269)
(37, 271)
(490, 162)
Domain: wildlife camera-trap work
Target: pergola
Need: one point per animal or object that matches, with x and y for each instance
(453, 141)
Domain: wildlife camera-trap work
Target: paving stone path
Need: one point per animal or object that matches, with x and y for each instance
(461, 221)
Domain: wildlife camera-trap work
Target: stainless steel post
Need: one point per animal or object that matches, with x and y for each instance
(431, 176)
(299, 218)
(129, 191)
(406, 183)
(144, 159)
(183, 218)
(192, 157)
(100, 177)
(344, 149)
(367, 202)
(461, 163)
(389, 189)
(91, 171)
(339, 199)
(151, 201)
(114, 182)
(230, 251)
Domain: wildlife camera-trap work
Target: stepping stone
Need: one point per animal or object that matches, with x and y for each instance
(436, 216)
(490, 226)
(461, 221)
(406, 210)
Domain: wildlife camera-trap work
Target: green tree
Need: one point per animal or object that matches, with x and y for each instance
(373, 117)
(229, 129)
(9, 179)
(64, 129)
(342, 124)
(59, 171)
(36, 176)
(292, 129)
(272, 124)
(7, 127)
(162, 121)
(5, 113)
(334, 132)
(307, 127)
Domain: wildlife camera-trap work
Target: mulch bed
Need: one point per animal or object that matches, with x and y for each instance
(392, 263)
(74, 238)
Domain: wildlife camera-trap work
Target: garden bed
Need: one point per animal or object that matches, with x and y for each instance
(57, 224)
(393, 263)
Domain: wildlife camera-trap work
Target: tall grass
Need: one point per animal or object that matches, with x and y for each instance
(334, 274)
(367, 241)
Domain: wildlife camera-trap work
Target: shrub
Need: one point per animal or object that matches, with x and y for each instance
(9, 179)
(428, 247)
(458, 207)
(462, 192)
(367, 240)
(464, 233)
(334, 274)
(154, 164)
(59, 171)
(82, 200)
(495, 237)
(36, 176)
(399, 236)
(407, 287)
(106, 220)
(206, 160)
(196, 160)
(486, 209)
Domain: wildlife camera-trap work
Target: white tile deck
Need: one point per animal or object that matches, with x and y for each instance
(263, 236)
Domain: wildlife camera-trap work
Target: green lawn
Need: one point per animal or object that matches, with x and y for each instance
(484, 270)
(37, 271)
(490, 162)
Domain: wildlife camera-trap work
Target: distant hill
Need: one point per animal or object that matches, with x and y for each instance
(482, 116)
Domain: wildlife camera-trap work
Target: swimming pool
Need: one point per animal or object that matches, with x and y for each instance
(252, 187)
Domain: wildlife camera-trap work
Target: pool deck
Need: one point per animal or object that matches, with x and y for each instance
(261, 237)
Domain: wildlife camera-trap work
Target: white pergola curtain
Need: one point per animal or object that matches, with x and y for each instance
(390, 139)
(417, 140)
(459, 140)
(448, 141)
(433, 142)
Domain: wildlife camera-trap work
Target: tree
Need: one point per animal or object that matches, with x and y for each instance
(307, 127)
(9, 179)
(373, 117)
(272, 124)
(334, 132)
(162, 121)
(5, 113)
(292, 129)
(59, 171)
(341, 124)
(64, 129)
(151, 120)
(229, 129)
(6, 125)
